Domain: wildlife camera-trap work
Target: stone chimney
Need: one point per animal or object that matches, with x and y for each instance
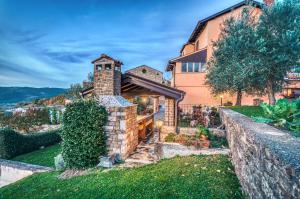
(269, 2)
(107, 76)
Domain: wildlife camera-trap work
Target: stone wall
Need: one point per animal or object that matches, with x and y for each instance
(106, 81)
(266, 160)
(12, 171)
(122, 130)
(148, 73)
(169, 112)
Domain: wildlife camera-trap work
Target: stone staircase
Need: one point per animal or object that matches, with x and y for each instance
(144, 154)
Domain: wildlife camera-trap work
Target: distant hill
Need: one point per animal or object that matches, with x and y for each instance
(27, 94)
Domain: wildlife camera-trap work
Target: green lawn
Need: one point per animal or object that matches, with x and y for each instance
(43, 157)
(250, 111)
(209, 177)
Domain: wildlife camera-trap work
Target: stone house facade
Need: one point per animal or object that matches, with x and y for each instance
(148, 73)
(114, 91)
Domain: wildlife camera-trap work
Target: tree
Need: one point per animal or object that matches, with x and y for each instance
(74, 91)
(90, 77)
(227, 69)
(278, 45)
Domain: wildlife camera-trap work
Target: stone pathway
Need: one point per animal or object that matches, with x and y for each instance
(144, 153)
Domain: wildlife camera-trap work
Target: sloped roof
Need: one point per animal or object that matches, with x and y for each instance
(134, 83)
(104, 56)
(201, 24)
(143, 66)
(198, 56)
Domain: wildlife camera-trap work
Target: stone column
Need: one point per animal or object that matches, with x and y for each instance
(122, 127)
(155, 104)
(169, 112)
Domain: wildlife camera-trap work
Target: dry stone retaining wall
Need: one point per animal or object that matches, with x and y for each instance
(266, 160)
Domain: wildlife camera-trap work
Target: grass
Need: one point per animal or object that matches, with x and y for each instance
(209, 177)
(43, 157)
(250, 111)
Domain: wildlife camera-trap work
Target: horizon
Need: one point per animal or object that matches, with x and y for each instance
(47, 44)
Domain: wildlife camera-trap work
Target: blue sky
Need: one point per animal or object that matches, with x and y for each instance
(50, 43)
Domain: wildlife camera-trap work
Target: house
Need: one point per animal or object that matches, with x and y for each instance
(116, 92)
(292, 86)
(189, 69)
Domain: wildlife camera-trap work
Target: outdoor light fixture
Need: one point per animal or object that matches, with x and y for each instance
(144, 100)
(159, 124)
(221, 97)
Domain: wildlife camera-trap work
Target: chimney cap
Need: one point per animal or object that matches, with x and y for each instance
(104, 56)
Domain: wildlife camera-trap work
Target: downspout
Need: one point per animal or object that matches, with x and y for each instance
(176, 112)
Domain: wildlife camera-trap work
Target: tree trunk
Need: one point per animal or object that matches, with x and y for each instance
(271, 93)
(239, 98)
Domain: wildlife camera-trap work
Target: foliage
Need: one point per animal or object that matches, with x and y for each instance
(143, 105)
(83, 135)
(170, 137)
(227, 67)
(194, 177)
(250, 111)
(55, 116)
(43, 157)
(74, 91)
(255, 57)
(228, 103)
(194, 140)
(191, 116)
(277, 45)
(90, 77)
(283, 114)
(214, 117)
(13, 143)
(215, 141)
(25, 121)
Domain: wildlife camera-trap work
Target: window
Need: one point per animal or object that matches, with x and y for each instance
(184, 67)
(197, 67)
(107, 66)
(117, 68)
(99, 67)
(144, 71)
(190, 67)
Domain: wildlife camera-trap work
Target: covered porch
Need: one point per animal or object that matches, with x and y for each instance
(133, 86)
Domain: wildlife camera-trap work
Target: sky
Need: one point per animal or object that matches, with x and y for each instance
(51, 43)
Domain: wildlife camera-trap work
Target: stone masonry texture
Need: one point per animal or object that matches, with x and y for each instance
(122, 130)
(148, 73)
(107, 81)
(266, 160)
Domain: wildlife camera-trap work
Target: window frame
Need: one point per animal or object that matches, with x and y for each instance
(202, 67)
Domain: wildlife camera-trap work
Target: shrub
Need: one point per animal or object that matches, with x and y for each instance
(228, 103)
(13, 143)
(170, 137)
(283, 114)
(83, 135)
(25, 121)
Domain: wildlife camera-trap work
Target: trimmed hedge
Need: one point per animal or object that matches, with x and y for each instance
(13, 143)
(83, 135)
